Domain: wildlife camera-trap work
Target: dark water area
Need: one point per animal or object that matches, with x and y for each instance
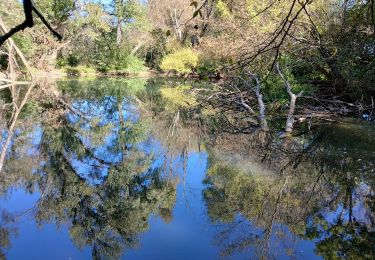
(122, 171)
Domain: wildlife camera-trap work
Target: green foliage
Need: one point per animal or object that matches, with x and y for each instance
(71, 60)
(119, 59)
(56, 10)
(274, 88)
(157, 50)
(95, 19)
(136, 15)
(25, 43)
(207, 66)
(134, 64)
(223, 9)
(181, 61)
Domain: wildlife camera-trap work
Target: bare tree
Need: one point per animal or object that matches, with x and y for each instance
(293, 100)
(256, 89)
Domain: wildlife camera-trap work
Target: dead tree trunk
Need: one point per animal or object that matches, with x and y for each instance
(175, 16)
(262, 121)
(293, 101)
(292, 108)
(262, 107)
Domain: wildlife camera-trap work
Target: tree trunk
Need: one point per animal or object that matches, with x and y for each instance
(119, 31)
(293, 100)
(290, 119)
(262, 112)
(262, 107)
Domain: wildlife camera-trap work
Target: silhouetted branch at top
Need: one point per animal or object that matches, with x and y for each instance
(28, 8)
(280, 35)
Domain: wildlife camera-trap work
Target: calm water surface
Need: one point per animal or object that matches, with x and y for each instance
(121, 171)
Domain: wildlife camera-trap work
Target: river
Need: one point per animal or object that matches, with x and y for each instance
(122, 168)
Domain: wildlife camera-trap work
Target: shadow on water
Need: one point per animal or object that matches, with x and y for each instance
(104, 159)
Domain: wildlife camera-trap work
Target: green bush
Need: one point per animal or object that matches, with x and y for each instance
(70, 61)
(181, 61)
(207, 66)
(120, 59)
(133, 64)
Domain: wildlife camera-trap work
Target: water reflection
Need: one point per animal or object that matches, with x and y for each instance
(92, 173)
(103, 157)
(323, 192)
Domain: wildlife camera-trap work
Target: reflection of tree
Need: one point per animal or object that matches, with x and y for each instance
(18, 103)
(322, 194)
(343, 239)
(261, 199)
(6, 230)
(99, 180)
(92, 170)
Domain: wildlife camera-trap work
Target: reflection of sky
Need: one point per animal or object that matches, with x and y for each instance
(103, 112)
(33, 140)
(4, 136)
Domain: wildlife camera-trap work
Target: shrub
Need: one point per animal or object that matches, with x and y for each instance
(70, 61)
(134, 64)
(181, 61)
(120, 60)
(207, 66)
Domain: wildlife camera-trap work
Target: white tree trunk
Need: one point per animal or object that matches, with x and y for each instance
(293, 101)
(290, 119)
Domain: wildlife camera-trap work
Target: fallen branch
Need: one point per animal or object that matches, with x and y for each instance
(15, 82)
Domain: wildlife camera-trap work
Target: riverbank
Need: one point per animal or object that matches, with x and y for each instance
(227, 99)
